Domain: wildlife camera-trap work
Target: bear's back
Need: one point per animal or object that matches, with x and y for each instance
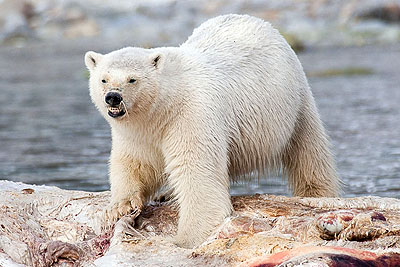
(233, 34)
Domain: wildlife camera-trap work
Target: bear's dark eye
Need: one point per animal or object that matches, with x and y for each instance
(132, 80)
(103, 81)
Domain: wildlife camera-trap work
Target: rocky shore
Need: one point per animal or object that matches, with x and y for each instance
(47, 226)
(160, 22)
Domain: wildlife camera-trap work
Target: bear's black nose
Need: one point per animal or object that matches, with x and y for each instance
(113, 99)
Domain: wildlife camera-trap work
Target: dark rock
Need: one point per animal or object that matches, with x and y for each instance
(387, 13)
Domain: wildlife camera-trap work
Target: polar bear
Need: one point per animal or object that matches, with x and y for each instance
(232, 100)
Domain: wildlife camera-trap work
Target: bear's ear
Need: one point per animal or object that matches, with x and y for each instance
(156, 60)
(92, 59)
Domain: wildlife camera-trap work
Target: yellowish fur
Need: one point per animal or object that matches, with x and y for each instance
(231, 102)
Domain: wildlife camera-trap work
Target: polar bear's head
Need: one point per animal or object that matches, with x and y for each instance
(124, 82)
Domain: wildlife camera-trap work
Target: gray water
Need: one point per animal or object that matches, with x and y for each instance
(50, 132)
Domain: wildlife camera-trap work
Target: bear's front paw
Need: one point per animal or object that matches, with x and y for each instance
(116, 210)
(187, 241)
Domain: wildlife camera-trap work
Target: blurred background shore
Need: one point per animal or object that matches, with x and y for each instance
(50, 132)
(160, 22)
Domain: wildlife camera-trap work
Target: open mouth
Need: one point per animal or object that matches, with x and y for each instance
(116, 111)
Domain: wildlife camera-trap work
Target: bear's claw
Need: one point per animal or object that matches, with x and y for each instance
(117, 210)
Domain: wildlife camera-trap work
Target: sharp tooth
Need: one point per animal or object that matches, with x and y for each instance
(115, 110)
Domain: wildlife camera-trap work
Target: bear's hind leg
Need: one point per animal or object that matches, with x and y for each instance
(307, 159)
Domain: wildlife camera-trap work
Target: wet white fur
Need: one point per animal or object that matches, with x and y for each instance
(233, 99)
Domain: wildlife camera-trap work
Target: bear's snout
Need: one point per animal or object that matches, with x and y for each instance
(113, 98)
(116, 107)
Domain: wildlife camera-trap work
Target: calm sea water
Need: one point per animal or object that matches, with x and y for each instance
(50, 132)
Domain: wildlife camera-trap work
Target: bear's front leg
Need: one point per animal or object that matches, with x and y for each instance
(197, 168)
(129, 179)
